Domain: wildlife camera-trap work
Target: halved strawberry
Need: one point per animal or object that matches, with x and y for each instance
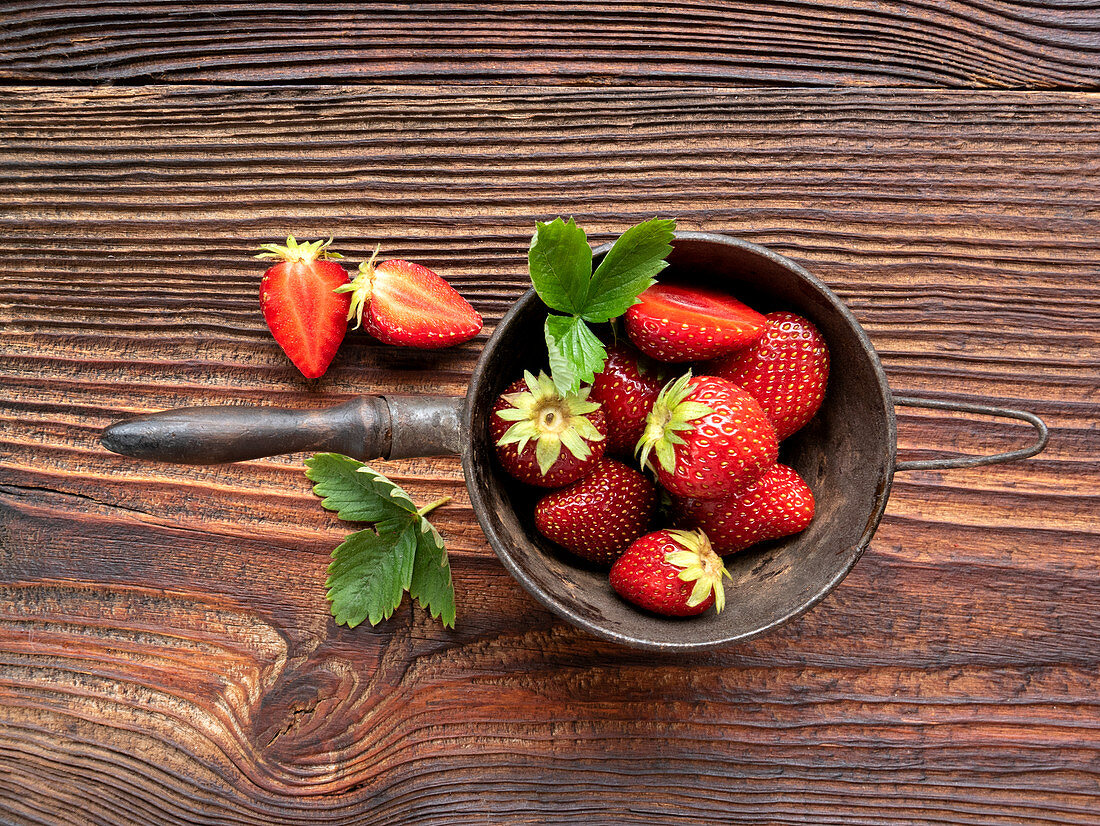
(673, 573)
(599, 515)
(708, 437)
(399, 302)
(675, 323)
(301, 305)
(626, 389)
(543, 438)
(787, 371)
(777, 504)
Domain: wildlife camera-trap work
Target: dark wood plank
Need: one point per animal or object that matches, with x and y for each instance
(944, 43)
(165, 651)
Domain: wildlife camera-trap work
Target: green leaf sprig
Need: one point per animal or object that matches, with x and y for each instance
(372, 568)
(560, 265)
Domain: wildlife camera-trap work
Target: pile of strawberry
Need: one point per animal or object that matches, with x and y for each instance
(695, 404)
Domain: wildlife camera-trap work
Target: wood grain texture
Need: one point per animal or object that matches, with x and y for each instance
(166, 655)
(942, 43)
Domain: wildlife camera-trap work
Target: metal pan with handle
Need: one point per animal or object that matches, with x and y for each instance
(847, 454)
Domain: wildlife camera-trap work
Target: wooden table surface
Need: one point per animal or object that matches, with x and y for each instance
(166, 652)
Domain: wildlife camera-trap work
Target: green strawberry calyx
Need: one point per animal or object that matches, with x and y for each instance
(360, 288)
(699, 563)
(549, 419)
(670, 414)
(295, 252)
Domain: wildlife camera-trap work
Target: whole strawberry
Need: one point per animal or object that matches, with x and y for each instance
(777, 504)
(543, 438)
(399, 302)
(298, 297)
(673, 573)
(708, 438)
(599, 515)
(626, 389)
(676, 323)
(786, 371)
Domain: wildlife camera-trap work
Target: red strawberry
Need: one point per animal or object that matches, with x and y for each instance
(709, 438)
(402, 303)
(599, 515)
(676, 323)
(531, 423)
(304, 313)
(673, 573)
(786, 371)
(777, 504)
(626, 389)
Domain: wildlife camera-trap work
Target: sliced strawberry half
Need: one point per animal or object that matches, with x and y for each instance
(301, 302)
(675, 323)
(399, 302)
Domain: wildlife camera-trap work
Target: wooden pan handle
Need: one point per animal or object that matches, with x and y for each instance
(370, 427)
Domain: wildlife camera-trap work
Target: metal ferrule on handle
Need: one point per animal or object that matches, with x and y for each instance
(370, 427)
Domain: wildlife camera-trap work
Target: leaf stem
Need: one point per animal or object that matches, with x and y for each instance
(424, 511)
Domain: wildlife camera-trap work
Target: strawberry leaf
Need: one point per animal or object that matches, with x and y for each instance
(372, 568)
(628, 269)
(354, 491)
(576, 355)
(560, 264)
(370, 572)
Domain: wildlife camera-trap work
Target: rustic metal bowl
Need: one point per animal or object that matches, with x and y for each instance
(846, 454)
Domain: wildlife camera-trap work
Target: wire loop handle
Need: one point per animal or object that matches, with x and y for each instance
(975, 461)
